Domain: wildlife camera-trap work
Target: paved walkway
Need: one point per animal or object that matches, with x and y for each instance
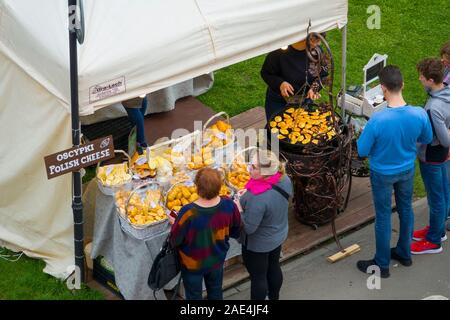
(312, 277)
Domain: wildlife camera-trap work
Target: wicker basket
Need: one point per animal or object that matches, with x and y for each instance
(111, 190)
(187, 183)
(228, 169)
(143, 231)
(180, 145)
(221, 152)
(224, 173)
(190, 183)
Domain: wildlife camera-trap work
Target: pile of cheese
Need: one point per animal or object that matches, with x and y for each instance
(218, 135)
(113, 175)
(143, 208)
(238, 176)
(202, 159)
(298, 126)
(141, 166)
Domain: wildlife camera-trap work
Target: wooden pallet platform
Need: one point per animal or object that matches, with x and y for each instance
(187, 111)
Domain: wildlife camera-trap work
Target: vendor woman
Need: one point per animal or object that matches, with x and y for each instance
(285, 72)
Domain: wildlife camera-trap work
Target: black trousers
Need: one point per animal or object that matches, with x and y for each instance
(265, 273)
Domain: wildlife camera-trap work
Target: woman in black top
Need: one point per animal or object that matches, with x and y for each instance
(285, 72)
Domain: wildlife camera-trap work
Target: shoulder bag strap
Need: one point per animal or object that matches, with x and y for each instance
(281, 191)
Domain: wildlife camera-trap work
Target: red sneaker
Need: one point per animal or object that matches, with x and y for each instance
(424, 247)
(420, 235)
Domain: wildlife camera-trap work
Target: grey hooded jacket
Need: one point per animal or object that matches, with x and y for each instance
(438, 109)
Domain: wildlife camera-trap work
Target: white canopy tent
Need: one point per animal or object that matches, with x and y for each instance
(137, 47)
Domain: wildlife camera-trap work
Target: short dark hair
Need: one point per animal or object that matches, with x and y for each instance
(431, 68)
(208, 182)
(445, 51)
(391, 77)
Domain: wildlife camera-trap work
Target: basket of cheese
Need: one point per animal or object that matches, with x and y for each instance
(112, 177)
(237, 174)
(141, 211)
(219, 137)
(185, 192)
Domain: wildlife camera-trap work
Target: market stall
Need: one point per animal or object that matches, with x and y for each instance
(158, 44)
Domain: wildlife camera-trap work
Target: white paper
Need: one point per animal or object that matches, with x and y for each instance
(189, 184)
(221, 135)
(141, 160)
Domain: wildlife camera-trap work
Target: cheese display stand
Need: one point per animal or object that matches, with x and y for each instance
(136, 199)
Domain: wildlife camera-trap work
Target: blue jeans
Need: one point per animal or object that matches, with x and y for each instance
(136, 116)
(382, 186)
(274, 103)
(193, 284)
(434, 177)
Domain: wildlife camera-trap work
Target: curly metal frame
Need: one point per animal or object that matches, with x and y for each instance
(333, 201)
(331, 97)
(319, 175)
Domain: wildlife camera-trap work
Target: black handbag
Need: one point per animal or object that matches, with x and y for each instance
(166, 267)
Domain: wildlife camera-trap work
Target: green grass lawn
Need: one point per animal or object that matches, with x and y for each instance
(410, 31)
(24, 280)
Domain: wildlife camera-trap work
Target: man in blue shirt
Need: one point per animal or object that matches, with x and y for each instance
(389, 140)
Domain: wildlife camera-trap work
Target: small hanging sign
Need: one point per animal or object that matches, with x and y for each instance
(72, 160)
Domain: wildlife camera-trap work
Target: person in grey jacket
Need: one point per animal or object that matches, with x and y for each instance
(433, 157)
(445, 58)
(264, 208)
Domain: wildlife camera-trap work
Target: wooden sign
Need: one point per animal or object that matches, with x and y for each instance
(74, 159)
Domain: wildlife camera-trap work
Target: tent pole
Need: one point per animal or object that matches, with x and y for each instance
(77, 205)
(344, 70)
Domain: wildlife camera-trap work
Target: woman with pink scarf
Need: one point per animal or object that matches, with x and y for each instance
(265, 207)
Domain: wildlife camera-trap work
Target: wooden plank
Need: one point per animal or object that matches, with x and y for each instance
(248, 118)
(186, 112)
(358, 203)
(298, 243)
(234, 275)
(233, 261)
(361, 202)
(360, 186)
(249, 115)
(258, 125)
(343, 254)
